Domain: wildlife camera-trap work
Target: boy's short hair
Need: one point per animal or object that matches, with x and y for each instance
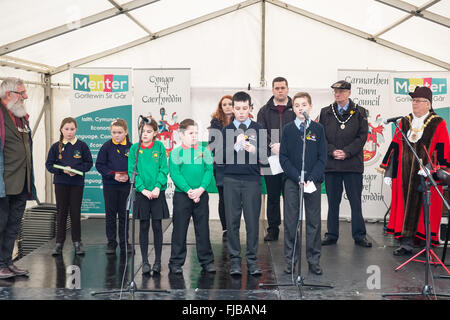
(186, 123)
(302, 95)
(279, 79)
(241, 96)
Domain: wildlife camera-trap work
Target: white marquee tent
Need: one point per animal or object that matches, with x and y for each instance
(225, 43)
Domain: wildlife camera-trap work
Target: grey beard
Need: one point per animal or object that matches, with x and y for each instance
(17, 109)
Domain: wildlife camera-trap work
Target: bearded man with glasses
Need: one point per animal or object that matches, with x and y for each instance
(16, 170)
(428, 135)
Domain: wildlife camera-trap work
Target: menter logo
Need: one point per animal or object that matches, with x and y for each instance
(405, 86)
(100, 82)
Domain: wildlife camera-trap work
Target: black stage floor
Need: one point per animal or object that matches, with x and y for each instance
(355, 273)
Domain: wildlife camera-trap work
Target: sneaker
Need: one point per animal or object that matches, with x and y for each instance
(175, 269)
(271, 237)
(58, 249)
(210, 268)
(146, 268)
(79, 249)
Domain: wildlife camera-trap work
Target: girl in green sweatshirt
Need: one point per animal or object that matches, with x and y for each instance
(150, 183)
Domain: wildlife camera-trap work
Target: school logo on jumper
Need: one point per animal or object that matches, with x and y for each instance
(100, 82)
(155, 155)
(374, 139)
(404, 86)
(311, 136)
(77, 154)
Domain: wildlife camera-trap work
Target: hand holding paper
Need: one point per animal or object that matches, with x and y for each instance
(310, 187)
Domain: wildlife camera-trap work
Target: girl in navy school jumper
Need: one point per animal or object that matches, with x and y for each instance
(71, 153)
(112, 164)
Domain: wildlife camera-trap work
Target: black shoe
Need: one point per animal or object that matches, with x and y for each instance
(235, 270)
(210, 268)
(401, 251)
(271, 237)
(315, 268)
(79, 250)
(363, 243)
(156, 268)
(58, 249)
(175, 269)
(326, 241)
(146, 268)
(111, 248)
(254, 270)
(129, 249)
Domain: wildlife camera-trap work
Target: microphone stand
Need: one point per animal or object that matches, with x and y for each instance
(427, 290)
(132, 288)
(299, 282)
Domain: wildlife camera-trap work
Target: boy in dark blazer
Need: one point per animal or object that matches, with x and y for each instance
(291, 150)
(244, 150)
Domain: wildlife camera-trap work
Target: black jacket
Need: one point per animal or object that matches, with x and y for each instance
(218, 168)
(269, 118)
(291, 151)
(351, 139)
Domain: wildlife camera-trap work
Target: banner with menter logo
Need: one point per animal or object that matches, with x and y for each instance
(98, 96)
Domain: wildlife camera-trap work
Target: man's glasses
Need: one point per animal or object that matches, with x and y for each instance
(419, 100)
(23, 94)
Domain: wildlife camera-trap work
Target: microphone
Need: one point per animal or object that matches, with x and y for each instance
(305, 114)
(145, 119)
(394, 119)
(243, 127)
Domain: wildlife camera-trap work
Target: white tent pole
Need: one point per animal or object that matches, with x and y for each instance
(262, 81)
(24, 64)
(115, 4)
(48, 111)
(418, 11)
(155, 36)
(75, 25)
(361, 34)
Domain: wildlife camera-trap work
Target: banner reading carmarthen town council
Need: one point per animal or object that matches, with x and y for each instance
(165, 95)
(98, 96)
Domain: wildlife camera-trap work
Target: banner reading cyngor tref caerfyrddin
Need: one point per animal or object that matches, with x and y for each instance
(98, 97)
(164, 95)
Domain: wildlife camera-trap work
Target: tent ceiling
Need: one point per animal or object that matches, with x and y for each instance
(59, 34)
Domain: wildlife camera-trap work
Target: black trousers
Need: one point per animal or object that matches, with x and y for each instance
(11, 213)
(68, 200)
(223, 220)
(183, 209)
(144, 227)
(334, 182)
(115, 207)
(274, 187)
(242, 196)
(311, 216)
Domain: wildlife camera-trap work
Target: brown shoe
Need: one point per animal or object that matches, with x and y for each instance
(5, 273)
(17, 271)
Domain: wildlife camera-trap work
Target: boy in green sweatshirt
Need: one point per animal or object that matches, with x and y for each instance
(191, 170)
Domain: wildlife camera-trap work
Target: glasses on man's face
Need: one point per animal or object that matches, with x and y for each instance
(419, 100)
(23, 94)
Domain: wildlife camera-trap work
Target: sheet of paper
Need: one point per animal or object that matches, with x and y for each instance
(274, 162)
(310, 187)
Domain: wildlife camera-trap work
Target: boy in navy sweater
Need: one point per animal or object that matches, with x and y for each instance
(242, 182)
(291, 150)
(112, 164)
